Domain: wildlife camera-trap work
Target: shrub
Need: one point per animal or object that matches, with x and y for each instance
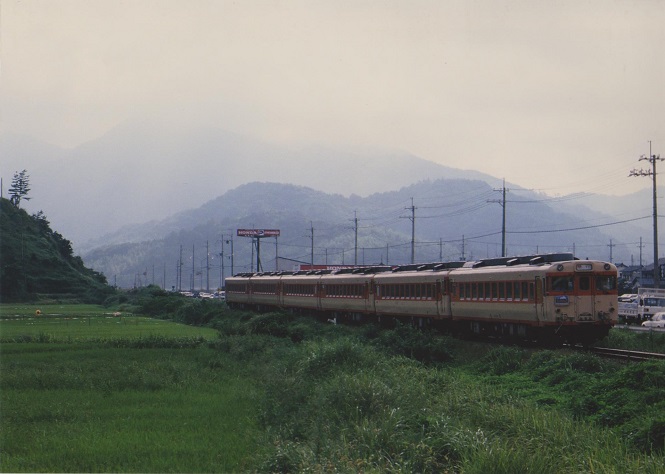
(422, 345)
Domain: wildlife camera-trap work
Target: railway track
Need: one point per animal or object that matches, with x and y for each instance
(623, 354)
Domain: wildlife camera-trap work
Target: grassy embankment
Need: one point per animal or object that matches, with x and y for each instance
(277, 393)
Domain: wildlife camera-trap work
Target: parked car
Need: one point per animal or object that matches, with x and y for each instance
(656, 321)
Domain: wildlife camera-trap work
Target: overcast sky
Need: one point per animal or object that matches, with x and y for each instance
(559, 96)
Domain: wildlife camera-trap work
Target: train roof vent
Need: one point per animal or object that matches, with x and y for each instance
(407, 268)
(343, 271)
(537, 260)
(427, 266)
(513, 261)
(379, 269)
(446, 265)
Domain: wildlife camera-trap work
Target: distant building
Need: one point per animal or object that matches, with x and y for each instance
(646, 276)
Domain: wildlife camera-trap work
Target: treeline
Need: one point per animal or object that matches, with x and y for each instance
(38, 262)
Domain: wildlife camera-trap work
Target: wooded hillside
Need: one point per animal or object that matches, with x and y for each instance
(38, 263)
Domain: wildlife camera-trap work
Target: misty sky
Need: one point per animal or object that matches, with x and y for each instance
(559, 96)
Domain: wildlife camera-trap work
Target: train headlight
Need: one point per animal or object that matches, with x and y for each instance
(606, 266)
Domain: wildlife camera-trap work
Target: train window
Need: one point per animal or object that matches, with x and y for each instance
(502, 290)
(606, 283)
(474, 291)
(585, 285)
(495, 292)
(488, 291)
(563, 283)
(518, 293)
(509, 290)
(525, 290)
(430, 291)
(481, 291)
(531, 290)
(462, 291)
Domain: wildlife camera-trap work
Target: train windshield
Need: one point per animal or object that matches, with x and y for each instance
(606, 283)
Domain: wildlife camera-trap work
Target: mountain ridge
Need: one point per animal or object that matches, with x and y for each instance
(454, 219)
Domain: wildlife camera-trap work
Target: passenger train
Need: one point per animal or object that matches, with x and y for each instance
(550, 299)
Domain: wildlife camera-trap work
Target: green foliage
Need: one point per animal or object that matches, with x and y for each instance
(422, 345)
(19, 188)
(37, 262)
(648, 341)
(502, 360)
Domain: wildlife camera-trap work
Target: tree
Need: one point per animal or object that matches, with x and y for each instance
(20, 188)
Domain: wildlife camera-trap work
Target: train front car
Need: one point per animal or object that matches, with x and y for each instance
(581, 300)
(544, 299)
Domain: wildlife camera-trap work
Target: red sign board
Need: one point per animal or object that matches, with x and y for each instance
(258, 232)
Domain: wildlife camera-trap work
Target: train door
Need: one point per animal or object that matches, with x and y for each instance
(439, 296)
(584, 295)
(370, 304)
(538, 299)
(319, 292)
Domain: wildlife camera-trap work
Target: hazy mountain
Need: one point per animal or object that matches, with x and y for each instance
(143, 181)
(141, 171)
(453, 220)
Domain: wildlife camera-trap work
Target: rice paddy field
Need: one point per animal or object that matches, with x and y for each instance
(85, 322)
(83, 390)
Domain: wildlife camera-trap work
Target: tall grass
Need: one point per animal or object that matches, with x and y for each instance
(125, 410)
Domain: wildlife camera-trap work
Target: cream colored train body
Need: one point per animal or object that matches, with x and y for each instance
(547, 298)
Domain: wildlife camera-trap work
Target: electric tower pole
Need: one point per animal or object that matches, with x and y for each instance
(355, 220)
(312, 254)
(413, 230)
(502, 202)
(652, 172)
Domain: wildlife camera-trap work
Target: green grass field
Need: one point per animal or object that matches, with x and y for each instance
(83, 391)
(71, 404)
(85, 322)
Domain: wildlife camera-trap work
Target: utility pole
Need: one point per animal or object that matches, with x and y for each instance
(355, 220)
(276, 256)
(251, 260)
(652, 172)
(180, 270)
(503, 205)
(611, 246)
(640, 252)
(221, 266)
(413, 230)
(230, 241)
(312, 237)
(259, 267)
(207, 268)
